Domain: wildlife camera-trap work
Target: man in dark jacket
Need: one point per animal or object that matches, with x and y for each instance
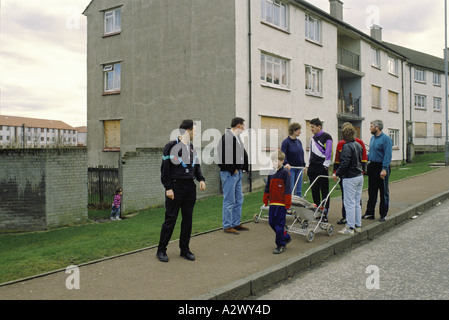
(233, 159)
(180, 166)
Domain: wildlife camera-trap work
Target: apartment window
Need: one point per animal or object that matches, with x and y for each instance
(437, 103)
(112, 77)
(274, 70)
(112, 21)
(393, 65)
(375, 57)
(438, 130)
(375, 97)
(420, 75)
(437, 79)
(394, 135)
(420, 129)
(314, 81)
(420, 101)
(313, 28)
(393, 101)
(274, 12)
(112, 134)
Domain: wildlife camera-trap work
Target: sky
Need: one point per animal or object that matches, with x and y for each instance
(43, 48)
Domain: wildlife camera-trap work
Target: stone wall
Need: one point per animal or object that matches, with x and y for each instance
(42, 188)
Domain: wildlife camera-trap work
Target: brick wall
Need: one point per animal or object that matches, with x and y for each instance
(42, 188)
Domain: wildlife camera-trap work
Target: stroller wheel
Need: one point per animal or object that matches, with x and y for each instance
(330, 230)
(256, 218)
(310, 235)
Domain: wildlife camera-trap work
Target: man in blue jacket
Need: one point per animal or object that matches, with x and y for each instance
(379, 157)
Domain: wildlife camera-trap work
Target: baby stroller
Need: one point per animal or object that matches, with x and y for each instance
(308, 218)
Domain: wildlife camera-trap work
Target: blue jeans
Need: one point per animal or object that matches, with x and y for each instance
(232, 198)
(295, 173)
(115, 212)
(352, 188)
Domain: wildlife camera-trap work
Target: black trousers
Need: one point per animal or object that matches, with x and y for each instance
(320, 189)
(185, 198)
(376, 186)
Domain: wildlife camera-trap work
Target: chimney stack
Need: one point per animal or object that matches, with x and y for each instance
(336, 8)
(376, 32)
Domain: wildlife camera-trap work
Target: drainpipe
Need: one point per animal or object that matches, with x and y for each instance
(404, 145)
(250, 98)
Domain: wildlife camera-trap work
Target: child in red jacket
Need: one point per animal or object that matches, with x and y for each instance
(278, 194)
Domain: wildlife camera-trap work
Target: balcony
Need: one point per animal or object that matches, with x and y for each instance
(348, 107)
(348, 59)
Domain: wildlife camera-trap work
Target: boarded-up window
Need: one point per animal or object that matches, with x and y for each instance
(420, 129)
(393, 101)
(375, 97)
(112, 134)
(437, 130)
(279, 124)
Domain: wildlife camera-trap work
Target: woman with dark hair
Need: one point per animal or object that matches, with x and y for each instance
(294, 156)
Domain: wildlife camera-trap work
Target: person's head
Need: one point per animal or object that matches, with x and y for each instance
(348, 133)
(316, 125)
(238, 125)
(376, 126)
(187, 126)
(277, 158)
(294, 129)
(118, 190)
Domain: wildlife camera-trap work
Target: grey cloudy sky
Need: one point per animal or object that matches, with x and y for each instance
(43, 48)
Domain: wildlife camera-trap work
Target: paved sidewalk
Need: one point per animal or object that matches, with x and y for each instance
(227, 266)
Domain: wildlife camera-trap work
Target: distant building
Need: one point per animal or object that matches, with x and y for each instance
(20, 132)
(82, 136)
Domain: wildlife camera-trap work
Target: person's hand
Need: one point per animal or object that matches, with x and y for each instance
(334, 177)
(202, 185)
(169, 194)
(287, 166)
(383, 174)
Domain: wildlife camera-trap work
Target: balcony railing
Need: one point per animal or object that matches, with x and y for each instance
(349, 106)
(348, 59)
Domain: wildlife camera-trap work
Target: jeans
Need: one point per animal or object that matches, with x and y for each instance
(232, 198)
(352, 188)
(295, 173)
(115, 212)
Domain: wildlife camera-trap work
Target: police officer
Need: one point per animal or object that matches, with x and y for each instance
(180, 166)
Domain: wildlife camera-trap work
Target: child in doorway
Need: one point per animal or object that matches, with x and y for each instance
(115, 212)
(278, 193)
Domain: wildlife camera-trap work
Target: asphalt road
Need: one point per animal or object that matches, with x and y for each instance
(409, 262)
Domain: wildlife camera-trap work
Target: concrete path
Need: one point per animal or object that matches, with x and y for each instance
(227, 266)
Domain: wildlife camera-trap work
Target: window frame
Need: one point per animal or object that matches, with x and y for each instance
(437, 76)
(314, 79)
(283, 11)
(395, 137)
(111, 68)
(393, 66)
(313, 33)
(375, 58)
(116, 26)
(435, 105)
(423, 99)
(283, 68)
(420, 75)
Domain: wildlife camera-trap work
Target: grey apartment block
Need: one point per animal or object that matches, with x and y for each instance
(177, 62)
